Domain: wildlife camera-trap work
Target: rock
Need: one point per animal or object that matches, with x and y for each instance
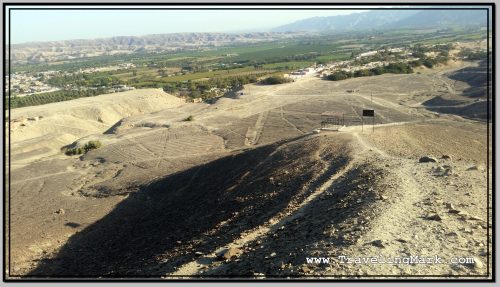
(378, 243)
(402, 240)
(427, 159)
(467, 230)
(445, 156)
(437, 169)
(454, 211)
(60, 211)
(452, 234)
(227, 254)
(305, 269)
(273, 254)
(450, 206)
(435, 217)
(476, 218)
(477, 264)
(472, 168)
(445, 170)
(198, 253)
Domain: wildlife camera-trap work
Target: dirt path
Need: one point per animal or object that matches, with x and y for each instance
(367, 150)
(403, 225)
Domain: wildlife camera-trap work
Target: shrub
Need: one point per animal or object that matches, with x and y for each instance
(91, 145)
(85, 149)
(340, 75)
(363, 73)
(275, 80)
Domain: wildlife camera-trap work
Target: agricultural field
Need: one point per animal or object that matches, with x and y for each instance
(214, 72)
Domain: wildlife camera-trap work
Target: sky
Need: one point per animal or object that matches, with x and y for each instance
(52, 25)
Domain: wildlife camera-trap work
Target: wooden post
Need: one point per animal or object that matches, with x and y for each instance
(373, 122)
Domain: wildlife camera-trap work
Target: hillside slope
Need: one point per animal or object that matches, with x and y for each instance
(55, 125)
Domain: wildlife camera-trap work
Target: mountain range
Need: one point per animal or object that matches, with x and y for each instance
(39, 52)
(389, 19)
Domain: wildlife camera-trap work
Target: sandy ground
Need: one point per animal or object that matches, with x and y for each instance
(164, 197)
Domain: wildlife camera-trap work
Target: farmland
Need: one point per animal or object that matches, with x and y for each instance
(212, 72)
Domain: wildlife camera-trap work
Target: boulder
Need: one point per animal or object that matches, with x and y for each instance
(227, 254)
(427, 159)
(435, 217)
(378, 243)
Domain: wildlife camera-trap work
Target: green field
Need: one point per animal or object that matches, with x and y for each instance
(196, 72)
(288, 65)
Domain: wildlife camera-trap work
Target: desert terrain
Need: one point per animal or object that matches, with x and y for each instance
(246, 189)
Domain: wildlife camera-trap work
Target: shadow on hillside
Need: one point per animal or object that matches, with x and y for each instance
(476, 78)
(283, 252)
(161, 226)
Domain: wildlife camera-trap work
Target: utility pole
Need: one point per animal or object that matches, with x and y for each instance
(373, 118)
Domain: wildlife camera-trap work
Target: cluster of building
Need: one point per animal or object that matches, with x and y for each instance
(373, 53)
(353, 68)
(22, 84)
(120, 88)
(350, 66)
(124, 66)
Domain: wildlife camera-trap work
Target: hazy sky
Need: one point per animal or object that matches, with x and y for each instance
(47, 25)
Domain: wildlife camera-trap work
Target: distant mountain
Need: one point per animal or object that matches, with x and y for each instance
(40, 52)
(442, 18)
(389, 19)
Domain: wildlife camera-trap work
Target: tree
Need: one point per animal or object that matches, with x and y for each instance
(339, 75)
(274, 80)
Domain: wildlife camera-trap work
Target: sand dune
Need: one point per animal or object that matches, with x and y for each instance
(71, 120)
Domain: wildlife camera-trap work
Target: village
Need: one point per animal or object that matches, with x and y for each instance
(24, 83)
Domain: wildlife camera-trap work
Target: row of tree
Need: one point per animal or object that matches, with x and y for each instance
(210, 88)
(275, 80)
(51, 97)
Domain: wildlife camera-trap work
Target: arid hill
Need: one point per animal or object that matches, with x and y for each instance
(246, 188)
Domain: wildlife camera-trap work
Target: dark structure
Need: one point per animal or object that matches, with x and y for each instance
(332, 120)
(368, 113)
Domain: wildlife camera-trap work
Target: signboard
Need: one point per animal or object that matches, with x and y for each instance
(368, 113)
